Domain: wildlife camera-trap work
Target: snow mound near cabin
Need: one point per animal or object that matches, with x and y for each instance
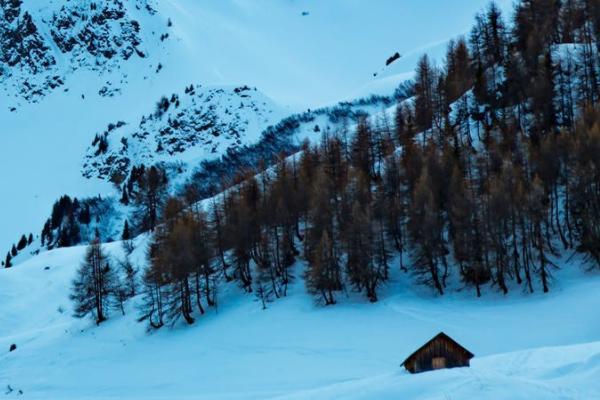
(548, 373)
(525, 346)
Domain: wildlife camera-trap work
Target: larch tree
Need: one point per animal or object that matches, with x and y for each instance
(93, 285)
(150, 196)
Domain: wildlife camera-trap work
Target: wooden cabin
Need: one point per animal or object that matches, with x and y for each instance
(440, 352)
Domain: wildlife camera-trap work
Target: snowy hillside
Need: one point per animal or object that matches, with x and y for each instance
(288, 50)
(526, 347)
(284, 199)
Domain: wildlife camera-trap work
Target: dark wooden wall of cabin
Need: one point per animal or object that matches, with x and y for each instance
(454, 355)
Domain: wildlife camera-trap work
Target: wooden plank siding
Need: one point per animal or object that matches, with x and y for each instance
(440, 352)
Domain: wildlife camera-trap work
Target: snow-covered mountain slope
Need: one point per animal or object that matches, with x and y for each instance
(523, 344)
(289, 50)
(103, 75)
(310, 53)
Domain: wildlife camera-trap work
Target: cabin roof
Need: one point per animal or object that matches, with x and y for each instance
(439, 336)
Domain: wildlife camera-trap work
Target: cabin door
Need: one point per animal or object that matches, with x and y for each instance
(438, 362)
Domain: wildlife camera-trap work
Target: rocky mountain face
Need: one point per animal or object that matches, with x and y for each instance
(96, 31)
(40, 46)
(24, 50)
(198, 124)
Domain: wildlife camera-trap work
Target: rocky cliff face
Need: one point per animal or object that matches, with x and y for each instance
(97, 32)
(42, 42)
(198, 124)
(24, 51)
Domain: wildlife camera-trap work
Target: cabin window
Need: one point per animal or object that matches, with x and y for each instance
(438, 362)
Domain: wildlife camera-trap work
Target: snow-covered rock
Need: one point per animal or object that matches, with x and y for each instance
(200, 123)
(41, 43)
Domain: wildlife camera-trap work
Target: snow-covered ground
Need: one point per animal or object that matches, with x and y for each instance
(301, 54)
(526, 346)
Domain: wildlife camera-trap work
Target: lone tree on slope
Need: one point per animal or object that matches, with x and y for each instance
(93, 284)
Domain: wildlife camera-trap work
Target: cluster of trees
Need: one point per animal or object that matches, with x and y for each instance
(536, 72)
(23, 242)
(493, 176)
(63, 228)
(489, 174)
(518, 168)
(248, 236)
(150, 190)
(145, 189)
(490, 217)
(278, 139)
(74, 221)
(181, 275)
(98, 287)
